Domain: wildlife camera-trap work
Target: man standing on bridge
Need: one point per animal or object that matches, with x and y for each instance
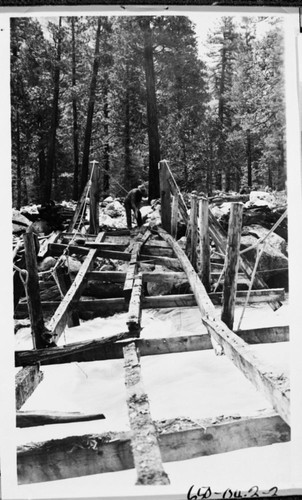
(132, 202)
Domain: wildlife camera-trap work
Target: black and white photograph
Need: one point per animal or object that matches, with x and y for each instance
(150, 208)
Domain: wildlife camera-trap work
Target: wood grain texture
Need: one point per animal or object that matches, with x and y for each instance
(112, 347)
(77, 456)
(144, 442)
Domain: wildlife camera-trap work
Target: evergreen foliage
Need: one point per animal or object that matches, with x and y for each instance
(128, 91)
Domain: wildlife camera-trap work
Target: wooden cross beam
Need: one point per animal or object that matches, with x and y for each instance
(112, 451)
(108, 348)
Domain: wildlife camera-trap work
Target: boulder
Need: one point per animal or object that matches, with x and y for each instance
(273, 239)
(260, 198)
(273, 264)
(107, 222)
(160, 288)
(114, 209)
(46, 264)
(20, 222)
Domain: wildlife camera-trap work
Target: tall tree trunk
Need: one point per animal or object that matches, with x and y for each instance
(281, 165)
(106, 150)
(152, 117)
(18, 179)
(127, 157)
(75, 190)
(17, 193)
(51, 146)
(209, 177)
(249, 157)
(91, 102)
(220, 178)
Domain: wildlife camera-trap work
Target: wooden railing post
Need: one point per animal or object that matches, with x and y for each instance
(192, 231)
(95, 191)
(204, 245)
(33, 291)
(232, 264)
(174, 216)
(193, 225)
(165, 196)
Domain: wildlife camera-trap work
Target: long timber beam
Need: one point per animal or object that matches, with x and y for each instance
(274, 387)
(59, 320)
(98, 350)
(144, 441)
(77, 456)
(117, 304)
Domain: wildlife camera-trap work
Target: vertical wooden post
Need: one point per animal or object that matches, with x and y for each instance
(95, 191)
(33, 291)
(165, 196)
(174, 216)
(232, 263)
(193, 228)
(204, 245)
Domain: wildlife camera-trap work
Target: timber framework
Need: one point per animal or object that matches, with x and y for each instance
(149, 444)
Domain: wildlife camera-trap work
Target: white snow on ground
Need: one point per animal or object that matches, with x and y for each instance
(195, 384)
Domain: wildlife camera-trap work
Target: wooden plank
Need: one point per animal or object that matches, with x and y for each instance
(52, 238)
(151, 249)
(232, 264)
(114, 305)
(97, 350)
(168, 262)
(140, 240)
(204, 244)
(78, 456)
(57, 249)
(37, 418)
(26, 381)
(33, 292)
(59, 320)
(134, 312)
(144, 443)
(165, 195)
(113, 244)
(148, 277)
(275, 388)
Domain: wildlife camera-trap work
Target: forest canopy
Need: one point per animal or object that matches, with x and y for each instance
(130, 91)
